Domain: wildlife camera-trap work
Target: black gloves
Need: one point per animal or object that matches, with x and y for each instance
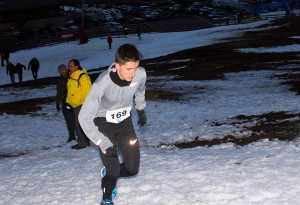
(142, 117)
(57, 108)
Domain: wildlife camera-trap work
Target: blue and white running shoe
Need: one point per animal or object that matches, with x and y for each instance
(106, 202)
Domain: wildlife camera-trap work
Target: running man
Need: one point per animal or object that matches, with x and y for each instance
(105, 116)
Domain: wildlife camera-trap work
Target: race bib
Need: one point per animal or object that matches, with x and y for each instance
(118, 115)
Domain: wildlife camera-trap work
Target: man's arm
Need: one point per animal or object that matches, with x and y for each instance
(86, 119)
(29, 65)
(23, 66)
(140, 102)
(58, 93)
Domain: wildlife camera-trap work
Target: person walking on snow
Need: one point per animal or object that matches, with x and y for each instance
(138, 32)
(5, 56)
(109, 41)
(34, 66)
(11, 70)
(106, 119)
(19, 69)
(126, 31)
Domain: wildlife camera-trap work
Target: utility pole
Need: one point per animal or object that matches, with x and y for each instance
(82, 13)
(82, 34)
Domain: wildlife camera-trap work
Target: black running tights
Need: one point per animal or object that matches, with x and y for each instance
(126, 146)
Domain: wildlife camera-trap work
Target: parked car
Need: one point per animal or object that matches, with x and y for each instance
(96, 14)
(216, 14)
(72, 26)
(128, 9)
(175, 7)
(62, 30)
(12, 33)
(113, 26)
(116, 14)
(108, 17)
(150, 14)
(205, 11)
(65, 34)
(91, 12)
(139, 20)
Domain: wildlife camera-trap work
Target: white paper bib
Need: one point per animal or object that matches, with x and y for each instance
(118, 115)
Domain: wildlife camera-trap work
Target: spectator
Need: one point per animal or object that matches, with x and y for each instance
(4, 56)
(109, 41)
(19, 70)
(138, 32)
(78, 86)
(126, 30)
(61, 94)
(11, 70)
(34, 65)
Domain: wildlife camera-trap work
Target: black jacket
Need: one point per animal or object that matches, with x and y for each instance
(61, 90)
(34, 64)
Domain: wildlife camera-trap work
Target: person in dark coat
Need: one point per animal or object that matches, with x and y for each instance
(126, 31)
(138, 32)
(4, 56)
(109, 41)
(19, 70)
(11, 70)
(61, 94)
(34, 66)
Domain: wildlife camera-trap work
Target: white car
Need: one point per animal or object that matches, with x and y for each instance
(116, 14)
(72, 26)
(175, 7)
(113, 26)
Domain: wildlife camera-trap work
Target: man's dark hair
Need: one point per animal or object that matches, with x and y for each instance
(76, 63)
(127, 53)
(61, 66)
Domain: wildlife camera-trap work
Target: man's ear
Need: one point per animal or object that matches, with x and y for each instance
(117, 65)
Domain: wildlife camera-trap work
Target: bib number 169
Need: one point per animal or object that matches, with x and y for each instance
(118, 115)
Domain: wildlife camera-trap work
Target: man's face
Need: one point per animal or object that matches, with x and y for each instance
(72, 67)
(63, 72)
(127, 71)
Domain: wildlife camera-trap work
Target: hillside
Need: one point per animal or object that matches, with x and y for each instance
(209, 63)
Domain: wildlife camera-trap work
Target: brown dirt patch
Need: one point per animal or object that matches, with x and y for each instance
(24, 107)
(272, 126)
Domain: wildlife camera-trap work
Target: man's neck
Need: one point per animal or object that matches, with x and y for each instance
(117, 80)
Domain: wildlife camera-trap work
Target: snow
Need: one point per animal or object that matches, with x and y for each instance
(43, 169)
(275, 49)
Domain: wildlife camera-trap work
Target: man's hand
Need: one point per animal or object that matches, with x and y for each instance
(142, 117)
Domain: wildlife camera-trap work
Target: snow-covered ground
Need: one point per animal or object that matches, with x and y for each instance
(42, 169)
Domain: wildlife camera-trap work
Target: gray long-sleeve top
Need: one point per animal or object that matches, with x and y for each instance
(105, 96)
